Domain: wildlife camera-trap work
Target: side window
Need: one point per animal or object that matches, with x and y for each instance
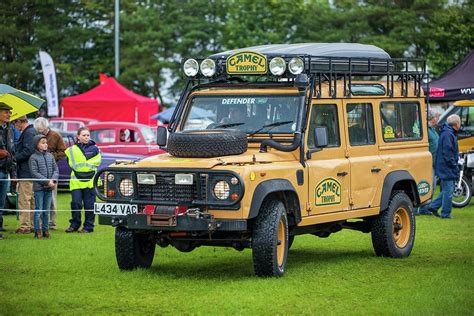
(103, 135)
(360, 122)
(467, 117)
(401, 121)
(324, 115)
(129, 136)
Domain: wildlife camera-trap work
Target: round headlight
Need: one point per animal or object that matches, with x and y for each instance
(126, 187)
(222, 190)
(296, 65)
(277, 66)
(191, 67)
(208, 67)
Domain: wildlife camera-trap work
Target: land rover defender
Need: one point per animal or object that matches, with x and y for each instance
(271, 142)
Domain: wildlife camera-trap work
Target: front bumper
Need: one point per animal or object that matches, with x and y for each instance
(183, 223)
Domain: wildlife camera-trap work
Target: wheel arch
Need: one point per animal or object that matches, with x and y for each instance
(400, 180)
(281, 189)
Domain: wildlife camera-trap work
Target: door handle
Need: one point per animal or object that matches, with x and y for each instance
(342, 174)
(376, 170)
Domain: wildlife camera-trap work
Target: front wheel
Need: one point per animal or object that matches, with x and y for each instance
(462, 195)
(133, 250)
(393, 231)
(270, 240)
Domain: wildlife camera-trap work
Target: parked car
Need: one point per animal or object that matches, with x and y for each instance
(69, 124)
(107, 159)
(125, 138)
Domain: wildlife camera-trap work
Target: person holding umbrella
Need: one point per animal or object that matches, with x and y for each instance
(14, 103)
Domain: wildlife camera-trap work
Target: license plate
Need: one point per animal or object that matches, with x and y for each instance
(115, 209)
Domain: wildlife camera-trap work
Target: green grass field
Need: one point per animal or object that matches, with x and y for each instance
(76, 273)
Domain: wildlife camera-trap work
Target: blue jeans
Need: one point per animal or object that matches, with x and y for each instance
(444, 199)
(83, 198)
(42, 208)
(3, 193)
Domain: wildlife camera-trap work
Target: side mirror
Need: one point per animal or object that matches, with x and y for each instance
(321, 136)
(161, 136)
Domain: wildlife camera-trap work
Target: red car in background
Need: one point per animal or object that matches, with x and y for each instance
(125, 138)
(69, 124)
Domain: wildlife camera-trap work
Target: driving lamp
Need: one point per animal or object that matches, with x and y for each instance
(126, 187)
(222, 190)
(208, 67)
(191, 67)
(145, 178)
(277, 66)
(296, 65)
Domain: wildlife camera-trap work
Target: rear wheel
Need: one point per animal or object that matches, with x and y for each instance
(133, 250)
(393, 232)
(462, 194)
(270, 240)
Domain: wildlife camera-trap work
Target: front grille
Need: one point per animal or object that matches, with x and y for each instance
(165, 189)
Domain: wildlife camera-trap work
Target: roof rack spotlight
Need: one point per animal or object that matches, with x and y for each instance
(208, 67)
(277, 66)
(191, 67)
(296, 66)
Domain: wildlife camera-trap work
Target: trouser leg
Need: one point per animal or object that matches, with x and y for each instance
(76, 207)
(89, 199)
(25, 203)
(54, 198)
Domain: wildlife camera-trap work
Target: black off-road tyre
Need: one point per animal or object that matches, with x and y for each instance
(291, 239)
(270, 240)
(208, 143)
(393, 231)
(133, 250)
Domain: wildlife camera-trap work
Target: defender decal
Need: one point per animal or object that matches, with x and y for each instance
(423, 188)
(246, 62)
(328, 191)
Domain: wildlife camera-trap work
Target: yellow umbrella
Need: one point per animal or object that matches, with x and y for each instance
(21, 102)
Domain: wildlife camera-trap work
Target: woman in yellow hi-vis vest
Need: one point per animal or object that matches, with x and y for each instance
(83, 158)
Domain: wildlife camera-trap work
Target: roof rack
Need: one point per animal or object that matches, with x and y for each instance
(329, 63)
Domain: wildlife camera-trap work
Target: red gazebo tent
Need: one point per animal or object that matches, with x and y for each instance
(111, 101)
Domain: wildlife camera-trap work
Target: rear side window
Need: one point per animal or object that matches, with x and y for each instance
(103, 135)
(325, 115)
(401, 121)
(360, 122)
(467, 118)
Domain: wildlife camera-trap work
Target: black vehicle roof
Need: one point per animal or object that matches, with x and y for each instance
(314, 49)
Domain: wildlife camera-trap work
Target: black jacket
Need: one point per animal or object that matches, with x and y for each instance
(23, 152)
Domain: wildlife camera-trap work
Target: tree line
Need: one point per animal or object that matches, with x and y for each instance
(156, 34)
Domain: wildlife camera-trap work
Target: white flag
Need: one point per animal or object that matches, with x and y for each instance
(49, 75)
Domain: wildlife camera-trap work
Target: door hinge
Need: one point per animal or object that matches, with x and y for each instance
(308, 206)
(346, 153)
(351, 201)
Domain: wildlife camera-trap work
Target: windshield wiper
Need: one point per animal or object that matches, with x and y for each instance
(271, 125)
(227, 125)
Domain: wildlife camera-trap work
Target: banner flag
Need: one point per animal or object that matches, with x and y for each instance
(51, 87)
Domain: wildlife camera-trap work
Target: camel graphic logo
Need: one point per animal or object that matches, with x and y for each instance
(328, 191)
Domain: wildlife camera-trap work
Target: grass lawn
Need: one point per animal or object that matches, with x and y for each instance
(75, 273)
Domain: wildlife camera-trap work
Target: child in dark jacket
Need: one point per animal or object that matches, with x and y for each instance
(44, 168)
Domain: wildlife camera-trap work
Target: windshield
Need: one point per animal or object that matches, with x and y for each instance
(148, 134)
(252, 114)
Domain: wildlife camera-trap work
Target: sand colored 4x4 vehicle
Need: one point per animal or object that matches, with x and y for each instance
(271, 142)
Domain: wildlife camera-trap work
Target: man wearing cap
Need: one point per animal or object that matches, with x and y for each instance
(6, 156)
(24, 150)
